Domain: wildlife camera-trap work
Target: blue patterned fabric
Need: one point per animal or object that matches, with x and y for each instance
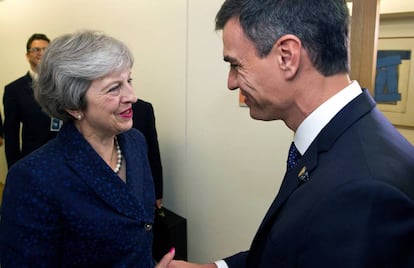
(63, 206)
(293, 156)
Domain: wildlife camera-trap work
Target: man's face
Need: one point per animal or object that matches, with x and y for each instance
(35, 52)
(259, 79)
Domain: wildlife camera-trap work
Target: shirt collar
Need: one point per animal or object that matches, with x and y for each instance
(33, 74)
(320, 117)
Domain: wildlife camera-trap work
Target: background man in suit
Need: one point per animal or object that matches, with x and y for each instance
(348, 201)
(21, 109)
(144, 120)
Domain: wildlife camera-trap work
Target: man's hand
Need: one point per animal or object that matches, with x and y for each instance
(183, 264)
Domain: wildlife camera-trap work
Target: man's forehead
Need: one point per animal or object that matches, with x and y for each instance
(232, 27)
(39, 41)
(235, 42)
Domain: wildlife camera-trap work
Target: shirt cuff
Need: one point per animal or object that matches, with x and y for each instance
(221, 264)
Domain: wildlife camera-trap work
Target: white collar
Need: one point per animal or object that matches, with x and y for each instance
(320, 117)
(33, 74)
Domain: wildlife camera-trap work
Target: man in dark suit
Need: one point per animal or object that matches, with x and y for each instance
(22, 111)
(144, 120)
(347, 197)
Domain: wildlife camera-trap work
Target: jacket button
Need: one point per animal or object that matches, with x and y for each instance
(148, 226)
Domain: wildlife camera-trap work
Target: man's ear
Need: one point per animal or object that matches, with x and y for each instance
(289, 52)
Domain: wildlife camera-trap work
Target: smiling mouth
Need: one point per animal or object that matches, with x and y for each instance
(245, 97)
(127, 113)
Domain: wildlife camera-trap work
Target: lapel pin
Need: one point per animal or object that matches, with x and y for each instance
(303, 174)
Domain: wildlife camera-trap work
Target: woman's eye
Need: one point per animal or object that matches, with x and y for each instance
(114, 89)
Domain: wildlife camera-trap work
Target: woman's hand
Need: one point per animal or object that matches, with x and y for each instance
(166, 260)
(158, 203)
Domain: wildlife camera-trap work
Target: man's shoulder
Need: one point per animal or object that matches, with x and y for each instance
(142, 103)
(143, 108)
(19, 82)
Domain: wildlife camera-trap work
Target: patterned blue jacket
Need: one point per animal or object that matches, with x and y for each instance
(63, 206)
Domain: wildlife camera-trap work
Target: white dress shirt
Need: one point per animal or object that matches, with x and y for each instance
(33, 75)
(320, 117)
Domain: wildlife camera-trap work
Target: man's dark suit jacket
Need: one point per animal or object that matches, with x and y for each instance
(20, 107)
(349, 202)
(144, 121)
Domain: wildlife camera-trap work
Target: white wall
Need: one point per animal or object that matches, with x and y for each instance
(222, 169)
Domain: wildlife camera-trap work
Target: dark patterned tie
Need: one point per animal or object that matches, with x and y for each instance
(293, 156)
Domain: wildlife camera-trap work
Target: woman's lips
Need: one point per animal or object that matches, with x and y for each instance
(127, 113)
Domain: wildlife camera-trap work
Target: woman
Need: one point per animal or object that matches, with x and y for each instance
(86, 198)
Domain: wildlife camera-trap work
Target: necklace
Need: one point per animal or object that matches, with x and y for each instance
(119, 157)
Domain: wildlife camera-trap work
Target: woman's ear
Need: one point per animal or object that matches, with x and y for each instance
(288, 49)
(78, 115)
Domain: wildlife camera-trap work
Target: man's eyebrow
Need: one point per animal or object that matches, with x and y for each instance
(229, 59)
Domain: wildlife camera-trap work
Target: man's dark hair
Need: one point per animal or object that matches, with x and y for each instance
(322, 27)
(36, 36)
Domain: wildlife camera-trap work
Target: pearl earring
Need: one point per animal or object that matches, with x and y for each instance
(79, 117)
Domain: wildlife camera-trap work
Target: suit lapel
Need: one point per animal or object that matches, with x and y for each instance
(28, 87)
(351, 113)
(99, 176)
(290, 183)
(302, 173)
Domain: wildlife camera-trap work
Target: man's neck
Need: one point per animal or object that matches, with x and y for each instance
(33, 74)
(312, 92)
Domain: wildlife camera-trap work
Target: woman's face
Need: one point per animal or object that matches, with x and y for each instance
(109, 101)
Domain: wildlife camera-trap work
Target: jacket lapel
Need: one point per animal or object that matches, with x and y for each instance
(302, 173)
(28, 84)
(290, 183)
(100, 178)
